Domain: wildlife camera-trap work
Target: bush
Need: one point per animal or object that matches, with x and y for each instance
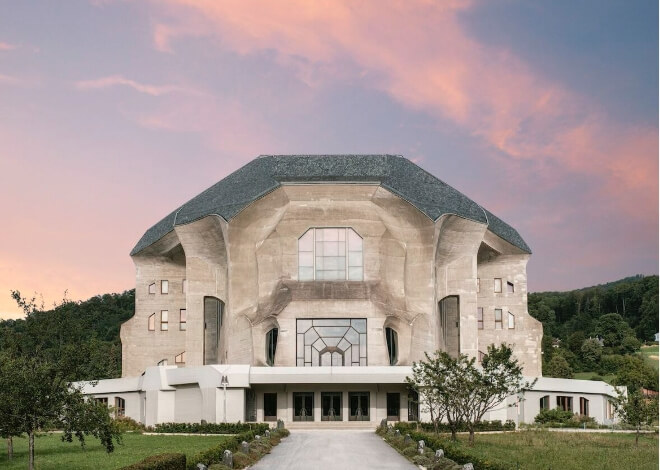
(210, 428)
(495, 425)
(219, 466)
(160, 462)
(124, 424)
(553, 416)
(422, 460)
(410, 451)
(242, 460)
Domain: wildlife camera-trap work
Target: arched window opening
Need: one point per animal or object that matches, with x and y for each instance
(271, 346)
(392, 339)
(213, 309)
(330, 254)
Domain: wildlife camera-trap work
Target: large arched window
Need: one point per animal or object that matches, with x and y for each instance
(330, 254)
(392, 339)
(271, 346)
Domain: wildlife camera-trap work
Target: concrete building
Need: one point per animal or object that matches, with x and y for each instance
(303, 288)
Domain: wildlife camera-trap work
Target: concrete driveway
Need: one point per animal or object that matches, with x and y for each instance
(333, 450)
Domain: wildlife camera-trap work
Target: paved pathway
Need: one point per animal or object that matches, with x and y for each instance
(333, 450)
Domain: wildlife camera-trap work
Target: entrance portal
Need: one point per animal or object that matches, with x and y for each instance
(358, 406)
(331, 406)
(393, 406)
(303, 406)
(270, 406)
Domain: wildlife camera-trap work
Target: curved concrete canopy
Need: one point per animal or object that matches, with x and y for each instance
(431, 196)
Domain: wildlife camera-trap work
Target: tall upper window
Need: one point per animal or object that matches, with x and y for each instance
(392, 339)
(480, 318)
(498, 284)
(512, 321)
(330, 254)
(271, 346)
(163, 320)
(509, 287)
(152, 322)
(498, 318)
(183, 315)
(164, 287)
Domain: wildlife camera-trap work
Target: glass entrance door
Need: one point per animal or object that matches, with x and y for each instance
(358, 406)
(331, 406)
(303, 406)
(393, 406)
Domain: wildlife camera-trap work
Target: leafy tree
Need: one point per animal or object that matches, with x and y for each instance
(34, 393)
(575, 341)
(499, 377)
(634, 373)
(636, 409)
(591, 352)
(612, 328)
(441, 380)
(558, 367)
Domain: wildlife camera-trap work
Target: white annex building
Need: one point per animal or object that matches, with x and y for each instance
(303, 287)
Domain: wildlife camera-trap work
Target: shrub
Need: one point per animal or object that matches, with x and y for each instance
(219, 466)
(495, 425)
(160, 462)
(422, 460)
(210, 428)
(124, 424)
(242, 460)
(553, 416)
(410, 451)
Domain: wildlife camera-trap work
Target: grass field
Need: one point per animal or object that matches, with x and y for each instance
(588, 375)
(544, 450)
(650, 355)
(52, 453)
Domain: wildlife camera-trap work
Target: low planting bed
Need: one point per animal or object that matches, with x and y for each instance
(538, 450)
(208, 428)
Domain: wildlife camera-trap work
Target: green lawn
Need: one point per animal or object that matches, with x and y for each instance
(52, 453)
(545, 450)
(650, 355)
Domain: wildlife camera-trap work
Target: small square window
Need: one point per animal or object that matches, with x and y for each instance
(480, 318)
(182, 319)
(180, 358)
(152, 288)
(498, 285)
(509, 287)
(152, 322)
(498, 318)
(164, 287)
(163, 320)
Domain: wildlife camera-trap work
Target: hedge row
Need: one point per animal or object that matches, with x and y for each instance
(442, 427)
(454, 451)
(210, 428)
(160, 462)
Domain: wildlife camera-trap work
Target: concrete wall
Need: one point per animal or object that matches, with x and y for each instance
(251, 264)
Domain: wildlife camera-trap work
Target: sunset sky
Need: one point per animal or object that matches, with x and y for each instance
(115, 112)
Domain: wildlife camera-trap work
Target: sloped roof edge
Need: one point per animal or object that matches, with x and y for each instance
(428, 194)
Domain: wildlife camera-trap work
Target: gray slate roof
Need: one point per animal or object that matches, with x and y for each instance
(427, 193)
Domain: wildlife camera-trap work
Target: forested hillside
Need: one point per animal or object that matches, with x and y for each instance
(599, 328)
(85, 334)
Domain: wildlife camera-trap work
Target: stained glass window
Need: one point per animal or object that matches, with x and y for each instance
(331, 342)
(330, 254)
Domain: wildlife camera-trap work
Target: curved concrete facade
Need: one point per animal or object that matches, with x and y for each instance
(250, 264)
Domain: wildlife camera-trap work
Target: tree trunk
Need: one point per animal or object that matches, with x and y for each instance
(471, 438)
(637, 437)
(10, 447)
(31, 450)
(453, 434)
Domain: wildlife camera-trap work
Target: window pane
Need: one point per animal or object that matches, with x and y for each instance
(354, 274)
(355, 258)
(498, 285)
(152, 288)
(163, 315)
(509, 287)
(152, 321)
(498, 314)
(305, 274)
(354, 241)
(512, 320)
(182, 314)
(164, 287)
(306, 242)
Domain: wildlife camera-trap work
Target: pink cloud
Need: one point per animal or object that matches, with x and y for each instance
(4, 46)
(421, 55)
(118, 80)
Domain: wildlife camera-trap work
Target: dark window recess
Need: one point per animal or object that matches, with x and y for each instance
(393, 406)
(544, 402)
(250, 405)
(271, 346)
(584, 406)
(270, 406)
(565, 403)
(120, 407)
(413, 405)
(392, 339)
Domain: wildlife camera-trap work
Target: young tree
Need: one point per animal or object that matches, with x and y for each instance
(636, 409)
(558, 367)
(488, 386)
(591, 352)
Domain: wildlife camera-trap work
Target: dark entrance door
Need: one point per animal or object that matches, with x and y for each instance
(393, 406)
(270, 406)
(358, 404)
(303, 406)
(331, 406)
